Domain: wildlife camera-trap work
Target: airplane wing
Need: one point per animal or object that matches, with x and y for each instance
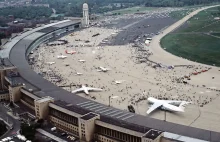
(93, 89)
(77, 90)
(177, 102)
(153, 107)
(171, 101)
(183, 105)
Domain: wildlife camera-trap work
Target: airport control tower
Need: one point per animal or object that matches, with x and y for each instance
(85, 20)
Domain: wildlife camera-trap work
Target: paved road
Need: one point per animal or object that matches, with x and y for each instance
(4, 115)
(161, 55)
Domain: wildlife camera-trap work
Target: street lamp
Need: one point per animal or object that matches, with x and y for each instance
(71, 84)
(111, 97)
(165, 115)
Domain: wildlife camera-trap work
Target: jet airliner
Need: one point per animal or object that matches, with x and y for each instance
(86, 89)
(170, 105)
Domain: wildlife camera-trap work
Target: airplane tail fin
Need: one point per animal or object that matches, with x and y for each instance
(183, 105)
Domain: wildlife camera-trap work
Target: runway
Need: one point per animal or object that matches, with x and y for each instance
(141, 79)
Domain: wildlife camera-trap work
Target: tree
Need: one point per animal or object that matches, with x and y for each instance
(28, 130)
(26, 12)
(3, 128)
(101, 6)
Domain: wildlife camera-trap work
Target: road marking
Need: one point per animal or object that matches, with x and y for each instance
(111, 112)
(87, 104)
(105, 110)
(101, 109)
(96, 107)
(92, 106)
(122, 115)
(128, 117)
(83, 103)
(117, 113)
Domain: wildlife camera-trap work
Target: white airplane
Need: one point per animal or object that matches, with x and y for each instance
(50, 63)
(70, 52)
(119, 81)
(170, 105)
(78, 73)
(82, 61)
(103, 69)
(61, 57)
(86, 89)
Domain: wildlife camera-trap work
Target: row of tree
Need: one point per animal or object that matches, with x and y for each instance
(26, 12)
(74, 7)
(3, 128)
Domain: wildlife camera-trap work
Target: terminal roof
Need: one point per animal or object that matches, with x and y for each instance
(89, 116)
(152, 134)
(72, 108)
(124, 124)
(5, 63)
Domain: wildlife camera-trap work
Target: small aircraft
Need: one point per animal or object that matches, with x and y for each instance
(103, 69)
(70, 52)
(50, 63)
(119, 81)
(78, 73)
(61, 57)
(170, 105)
(86, 89)
(82, 61)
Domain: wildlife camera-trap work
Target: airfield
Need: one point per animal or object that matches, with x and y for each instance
(120, 47)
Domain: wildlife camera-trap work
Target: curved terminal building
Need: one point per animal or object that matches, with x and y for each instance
(83, 118)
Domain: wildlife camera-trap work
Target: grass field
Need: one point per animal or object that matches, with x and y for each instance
(132, 10)
(199, 40)
(216, 34)
(180, 13)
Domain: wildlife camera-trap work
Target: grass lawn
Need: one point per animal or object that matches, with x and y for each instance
(180, 14)
(216, 34)
(198, 47)
(132, 10)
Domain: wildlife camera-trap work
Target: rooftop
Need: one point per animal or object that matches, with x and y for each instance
(152, 134)
(124, 124)
(18, 80)
(89, 116)
(5, 63)
(71, 107)
(48, 29)
(44, 99)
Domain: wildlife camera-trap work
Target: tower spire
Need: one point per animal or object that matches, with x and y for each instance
(85, 20)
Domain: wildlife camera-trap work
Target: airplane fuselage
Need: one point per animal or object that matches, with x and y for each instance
(172, 106)
(103, 69)
(86, 91)
(61, 57)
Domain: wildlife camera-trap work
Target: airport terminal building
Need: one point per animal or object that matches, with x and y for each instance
(83, 118)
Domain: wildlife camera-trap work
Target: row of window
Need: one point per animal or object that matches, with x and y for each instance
(116, 134)
(64, 125)
(83, 135)
(27, 104)
(63, 116)
(4, 97)
(103, 139)
(27, 99)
